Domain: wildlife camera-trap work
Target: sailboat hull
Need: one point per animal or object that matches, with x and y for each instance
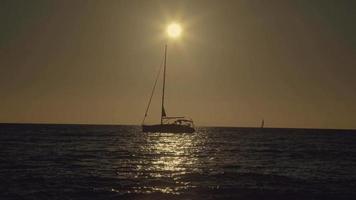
(167, 128)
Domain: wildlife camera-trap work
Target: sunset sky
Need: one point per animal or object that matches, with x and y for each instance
(292, 63)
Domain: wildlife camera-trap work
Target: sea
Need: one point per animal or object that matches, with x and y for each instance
(41, 161)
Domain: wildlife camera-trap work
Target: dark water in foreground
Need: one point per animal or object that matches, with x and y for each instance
(121, 162)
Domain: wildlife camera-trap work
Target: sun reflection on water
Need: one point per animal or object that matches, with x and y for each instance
(163, 163)
(174, 153)
(173, 157)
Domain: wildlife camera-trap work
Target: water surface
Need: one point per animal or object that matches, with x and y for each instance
(121, 162)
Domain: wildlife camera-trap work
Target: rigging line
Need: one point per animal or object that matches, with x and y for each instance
(153, 89)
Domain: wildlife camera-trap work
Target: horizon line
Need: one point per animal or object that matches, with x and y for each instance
(204, 126)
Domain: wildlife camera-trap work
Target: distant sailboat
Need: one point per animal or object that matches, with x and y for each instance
(168, 124)
(263, 123)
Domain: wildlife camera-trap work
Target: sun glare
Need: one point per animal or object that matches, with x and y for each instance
(174, 30)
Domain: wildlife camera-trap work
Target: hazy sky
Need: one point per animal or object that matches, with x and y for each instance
(292, 63)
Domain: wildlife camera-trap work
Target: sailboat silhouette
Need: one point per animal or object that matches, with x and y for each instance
(168, 124)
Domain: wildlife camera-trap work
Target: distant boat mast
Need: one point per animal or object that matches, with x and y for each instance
(263, 123)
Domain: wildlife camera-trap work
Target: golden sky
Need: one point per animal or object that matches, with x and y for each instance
(290, 62)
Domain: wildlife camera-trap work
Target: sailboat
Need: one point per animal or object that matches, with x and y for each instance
(169, 124)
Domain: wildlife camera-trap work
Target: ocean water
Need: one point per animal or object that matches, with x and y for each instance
(121, 162)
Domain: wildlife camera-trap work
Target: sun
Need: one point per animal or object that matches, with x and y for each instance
(174, 30)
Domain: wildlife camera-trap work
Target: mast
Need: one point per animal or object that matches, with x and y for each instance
(163, 113)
